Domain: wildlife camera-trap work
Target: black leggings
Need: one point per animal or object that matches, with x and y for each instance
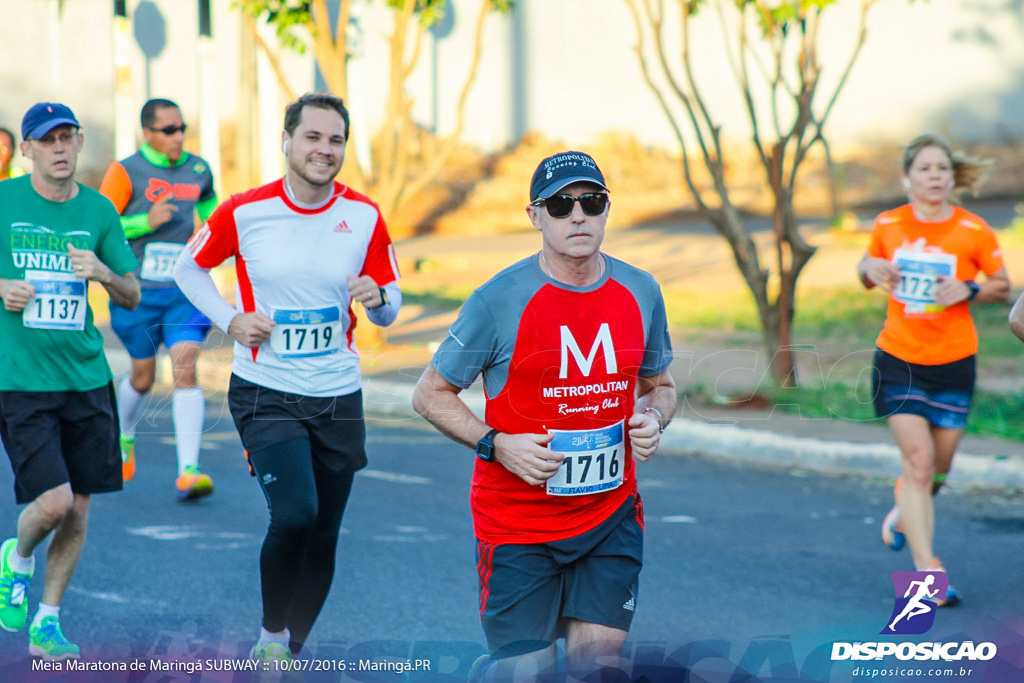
(306, 502)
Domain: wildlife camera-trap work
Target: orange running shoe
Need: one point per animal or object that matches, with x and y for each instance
(193, 484)
(127, 457)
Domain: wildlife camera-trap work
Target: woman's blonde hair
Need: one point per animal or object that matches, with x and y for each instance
(968, 172)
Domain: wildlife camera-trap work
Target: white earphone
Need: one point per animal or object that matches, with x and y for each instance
(906, 184)
(284, 146)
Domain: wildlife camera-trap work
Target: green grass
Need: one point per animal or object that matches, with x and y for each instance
(996, 415)
(845, 321)
(444, 298)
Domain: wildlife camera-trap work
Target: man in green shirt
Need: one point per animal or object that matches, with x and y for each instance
(58, 418)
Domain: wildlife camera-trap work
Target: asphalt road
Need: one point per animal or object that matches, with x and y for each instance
(746, 570)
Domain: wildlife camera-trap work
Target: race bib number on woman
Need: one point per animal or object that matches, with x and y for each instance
(158, 261)
(919, 278)
(593, 460)
(303, 332)
(60, 302)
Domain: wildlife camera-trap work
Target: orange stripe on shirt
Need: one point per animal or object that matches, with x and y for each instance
(117, 186)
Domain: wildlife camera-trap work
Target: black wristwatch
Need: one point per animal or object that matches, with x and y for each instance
(383, 297)
(485, 446)
(974, 287)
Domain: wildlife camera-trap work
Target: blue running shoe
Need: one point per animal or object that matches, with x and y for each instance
(478, 669)
(48, 641)
(892, 532)
(952, 594)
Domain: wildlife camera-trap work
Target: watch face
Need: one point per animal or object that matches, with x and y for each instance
(485, 450)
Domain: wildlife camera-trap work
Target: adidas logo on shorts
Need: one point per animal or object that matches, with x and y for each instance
(630, 604)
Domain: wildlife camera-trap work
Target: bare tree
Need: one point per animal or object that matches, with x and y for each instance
(395, 178)
(773, 49)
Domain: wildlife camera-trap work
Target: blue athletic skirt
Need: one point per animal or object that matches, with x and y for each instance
(939, 393)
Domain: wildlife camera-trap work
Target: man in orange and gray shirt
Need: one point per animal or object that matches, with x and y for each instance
(158, 190)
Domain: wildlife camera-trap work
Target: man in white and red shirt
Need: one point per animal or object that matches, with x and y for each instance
(574, 350)
(305, 248)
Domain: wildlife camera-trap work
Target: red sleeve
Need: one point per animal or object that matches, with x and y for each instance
(380, 263)
(217, 240)
(117, 186)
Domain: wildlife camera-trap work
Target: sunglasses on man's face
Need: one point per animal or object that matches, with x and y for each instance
(169, 130)
(561, 205)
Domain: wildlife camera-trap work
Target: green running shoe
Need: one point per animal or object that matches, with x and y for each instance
(13, 591)
(274, 662)
(48, 641)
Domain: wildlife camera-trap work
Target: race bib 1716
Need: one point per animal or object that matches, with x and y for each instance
(594, 460)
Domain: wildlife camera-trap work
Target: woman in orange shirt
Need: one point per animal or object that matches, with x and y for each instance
(928, 254)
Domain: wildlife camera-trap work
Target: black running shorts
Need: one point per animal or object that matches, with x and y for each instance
(60, 437)
(528, 591)
(333, 426)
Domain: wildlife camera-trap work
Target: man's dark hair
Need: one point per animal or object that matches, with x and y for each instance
(320, 100)
(10, 136)
(149, 109)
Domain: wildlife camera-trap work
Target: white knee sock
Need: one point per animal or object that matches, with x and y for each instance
(130, 405)
(189, 410)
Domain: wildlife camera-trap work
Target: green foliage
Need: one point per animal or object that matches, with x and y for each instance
(429, 11)
(288, 15)
(284, 15)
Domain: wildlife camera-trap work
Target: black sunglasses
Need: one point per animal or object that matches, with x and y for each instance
(169, 130)
(561, 205)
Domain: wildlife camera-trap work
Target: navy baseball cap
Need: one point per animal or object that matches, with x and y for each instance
(564, 168)
(44, 117)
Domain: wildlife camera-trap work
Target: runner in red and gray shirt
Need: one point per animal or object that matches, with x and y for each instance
(574, 350)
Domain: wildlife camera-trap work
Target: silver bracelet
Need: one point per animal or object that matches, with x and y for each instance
(661, 429)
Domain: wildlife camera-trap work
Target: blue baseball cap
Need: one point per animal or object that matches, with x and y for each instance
(41, 118)
(564, 168)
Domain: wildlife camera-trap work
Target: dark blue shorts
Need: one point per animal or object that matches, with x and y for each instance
(940, 394)
(528, 591)
(60, 437)
(164, 316)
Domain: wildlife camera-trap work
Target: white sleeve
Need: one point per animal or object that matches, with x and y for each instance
(197, 284)
(383, 316)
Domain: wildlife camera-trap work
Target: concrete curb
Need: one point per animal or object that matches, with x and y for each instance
(390, 400)
(387, 399)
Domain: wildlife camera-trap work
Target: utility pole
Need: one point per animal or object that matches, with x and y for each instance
(124, 115)
(209, 114)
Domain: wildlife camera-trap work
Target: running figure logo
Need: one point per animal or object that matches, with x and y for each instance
(914, 612)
